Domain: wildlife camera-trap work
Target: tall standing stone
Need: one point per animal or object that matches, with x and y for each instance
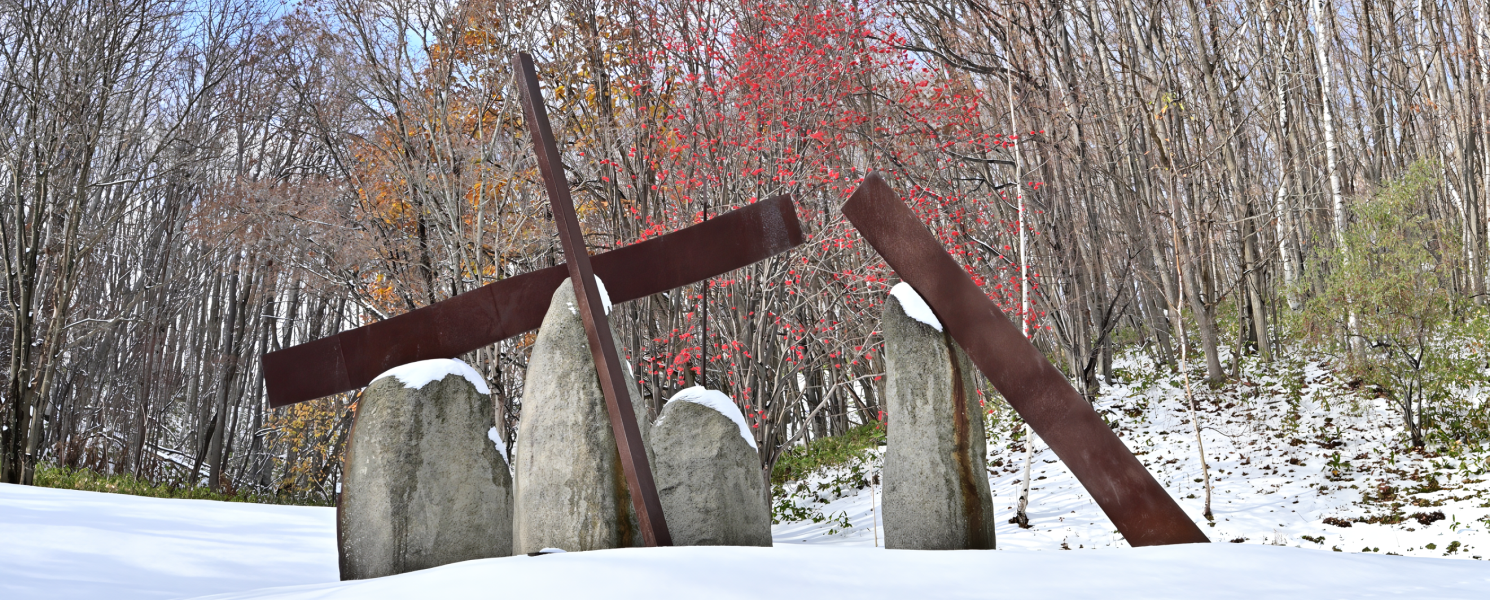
(570, 492)
(708, 472)
(936, 485)
(424, 481)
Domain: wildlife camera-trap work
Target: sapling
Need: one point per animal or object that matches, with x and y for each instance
(1179, 321)
(1020, 516)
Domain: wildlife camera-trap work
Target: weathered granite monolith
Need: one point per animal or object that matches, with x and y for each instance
(569, 490)
(424, 481)
(708, 472)
(936, 485)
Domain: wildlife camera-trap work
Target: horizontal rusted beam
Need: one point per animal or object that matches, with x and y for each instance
(516, 305)
(1139, 507)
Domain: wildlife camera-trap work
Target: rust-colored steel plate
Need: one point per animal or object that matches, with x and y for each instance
(513, 306)
(628, 434)
(1140, 508)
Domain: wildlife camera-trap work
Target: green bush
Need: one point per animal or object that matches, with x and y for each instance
(92, 481)
(801, 461)
(1390, 289)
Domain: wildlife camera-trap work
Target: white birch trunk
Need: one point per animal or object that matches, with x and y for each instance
(1337, 200)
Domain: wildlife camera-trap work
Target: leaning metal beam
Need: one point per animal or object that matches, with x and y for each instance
(592, 311)
(513, 306)
(1141, 509)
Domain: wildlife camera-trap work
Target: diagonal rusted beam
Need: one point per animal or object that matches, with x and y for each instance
(513, 306)
(592, 312)
(1140, 508)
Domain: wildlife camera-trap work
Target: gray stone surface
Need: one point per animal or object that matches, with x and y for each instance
(709, 479)
(423, 486)
(936, 494)
(569, 490)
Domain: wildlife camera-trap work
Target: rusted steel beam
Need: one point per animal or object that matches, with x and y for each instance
(592, 311)
(513, 306)
(1141, 509)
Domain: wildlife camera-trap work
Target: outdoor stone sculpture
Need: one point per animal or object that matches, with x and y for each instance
(570, 492)
(426, 482)
(936, 484)
(1140, 508)
(509, 307)
(708, 472)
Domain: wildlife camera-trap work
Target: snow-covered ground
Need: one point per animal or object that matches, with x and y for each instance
(1217, 571)
(67, 544)
(1273, 444)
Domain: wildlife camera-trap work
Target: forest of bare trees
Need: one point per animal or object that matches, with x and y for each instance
(189, 185)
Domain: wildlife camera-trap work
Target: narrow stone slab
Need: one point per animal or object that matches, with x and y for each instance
(569, 490)
(709, 473)
(424, 484)
(935, 481)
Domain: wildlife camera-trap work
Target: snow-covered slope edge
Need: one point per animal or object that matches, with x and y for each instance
(716, 572)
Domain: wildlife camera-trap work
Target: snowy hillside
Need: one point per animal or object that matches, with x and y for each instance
(1294, 453)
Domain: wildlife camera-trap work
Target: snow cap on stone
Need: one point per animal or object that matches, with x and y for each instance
(720, 403)
(604, 297)
(496, 438)
(416, 375)
(914, 306)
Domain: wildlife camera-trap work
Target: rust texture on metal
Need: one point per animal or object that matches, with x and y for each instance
(1139, 507)
(592, 311)
(513, 306)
